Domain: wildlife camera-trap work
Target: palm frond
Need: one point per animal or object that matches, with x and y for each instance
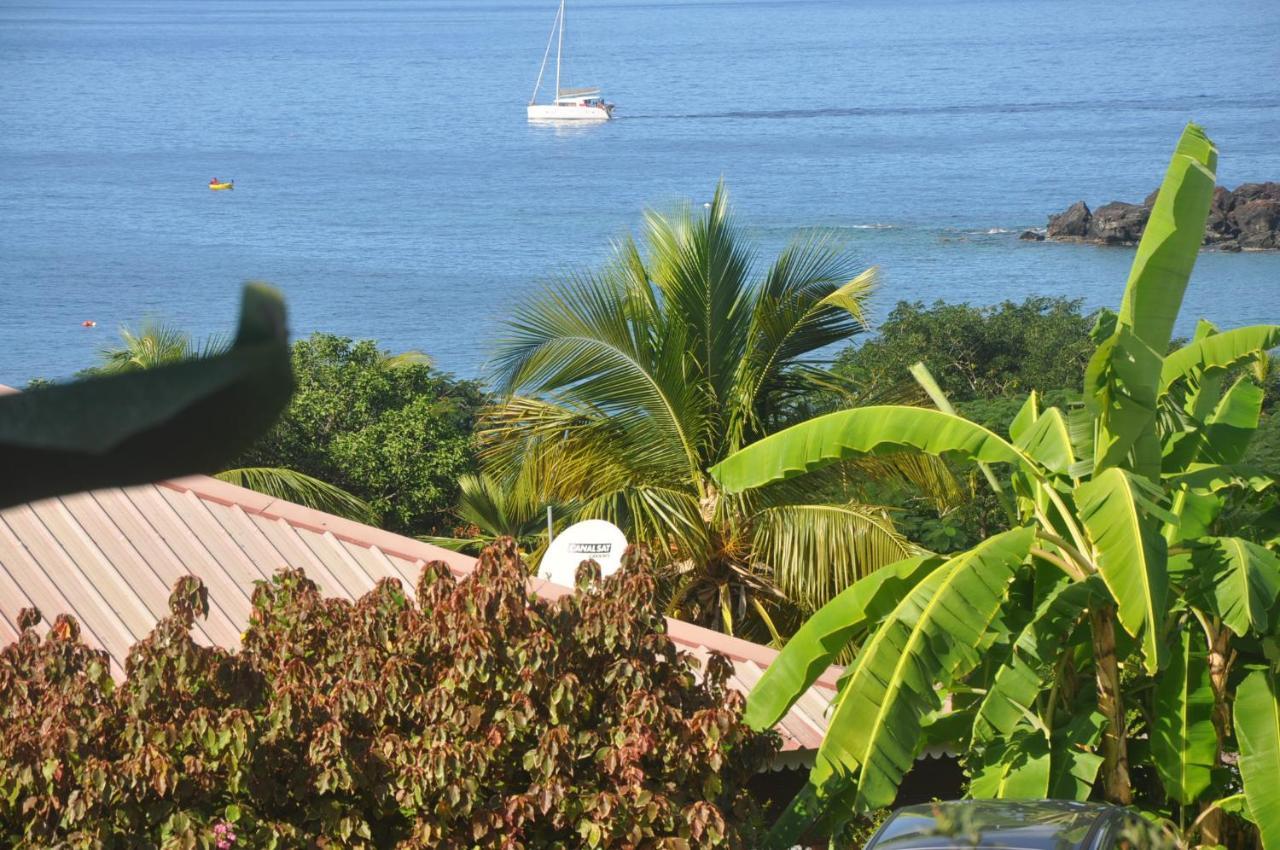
(577, 345)
(816, 551)
(809, 300)
(405, 359)
(470, 545)
(548, 453)
(499, 510)
(153, 344)
(301, 489)
(668, 520)
(702, 266)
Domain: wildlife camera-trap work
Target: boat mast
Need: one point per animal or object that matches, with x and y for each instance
(559, 47)
(542, 69)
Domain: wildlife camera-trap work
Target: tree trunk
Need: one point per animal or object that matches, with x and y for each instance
(1212, 827)
(1115, 750)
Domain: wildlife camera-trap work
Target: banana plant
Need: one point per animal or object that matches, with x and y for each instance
(1110, 596)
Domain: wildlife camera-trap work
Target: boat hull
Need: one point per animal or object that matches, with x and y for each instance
(550, 112)
(220, 187)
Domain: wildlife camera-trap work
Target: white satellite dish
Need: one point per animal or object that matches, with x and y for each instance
(592, 540)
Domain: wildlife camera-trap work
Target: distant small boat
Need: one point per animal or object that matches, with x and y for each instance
(218, 186)
(581, 104)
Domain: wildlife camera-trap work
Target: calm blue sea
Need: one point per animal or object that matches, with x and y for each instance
(387, 181)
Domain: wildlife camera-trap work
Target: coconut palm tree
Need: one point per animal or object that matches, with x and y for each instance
(619, 388)
(153, 344)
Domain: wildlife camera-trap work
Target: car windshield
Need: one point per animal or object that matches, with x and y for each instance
(975, 824)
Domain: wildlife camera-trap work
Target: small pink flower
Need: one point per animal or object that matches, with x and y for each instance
(224, 835)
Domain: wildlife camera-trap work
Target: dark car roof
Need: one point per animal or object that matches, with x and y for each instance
(1032, 825)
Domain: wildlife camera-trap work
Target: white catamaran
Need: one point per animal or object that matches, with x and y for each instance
(570, 104)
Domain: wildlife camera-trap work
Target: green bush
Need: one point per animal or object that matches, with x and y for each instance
(976, 352)
(473, 716)
(389, 429)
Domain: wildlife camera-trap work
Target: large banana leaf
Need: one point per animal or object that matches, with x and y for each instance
(1013, 769)
(811, 650)
(1224, 435)
(1013, 691)
(1131, 555)
(1193, 514)
(1123, 378)
(934, 390)
(1048, 441)
(1183, 741)
(931, 637)
(1212, 477)
(848, 433)
(1233, 423)
(1171, 241)
(1075, 761)
(1237, 580)
(1015, 759)
(1221, 350)
(1257, 721)
(1120, 394)
(148, 425)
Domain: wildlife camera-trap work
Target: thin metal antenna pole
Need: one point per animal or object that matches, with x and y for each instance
(549, 531)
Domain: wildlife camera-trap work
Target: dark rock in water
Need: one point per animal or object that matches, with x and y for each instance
(1031, 235)
(1118, 223)
(1259, 223)
(1072, 223)
(1220, 228)
(1247, 219)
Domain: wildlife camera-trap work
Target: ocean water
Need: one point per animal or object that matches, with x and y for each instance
(387, 181)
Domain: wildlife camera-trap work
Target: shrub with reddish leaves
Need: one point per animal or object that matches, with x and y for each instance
(475, 715)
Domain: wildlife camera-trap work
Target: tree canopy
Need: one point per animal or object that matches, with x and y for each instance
(977, 352)
(389, 429)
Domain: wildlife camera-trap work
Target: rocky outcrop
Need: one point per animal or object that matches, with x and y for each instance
(1246, 219)
(1072, 223)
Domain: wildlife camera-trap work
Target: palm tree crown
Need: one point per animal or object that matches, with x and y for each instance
(621, 387)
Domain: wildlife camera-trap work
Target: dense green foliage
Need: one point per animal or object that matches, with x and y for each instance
(390, 430)
(1117, 640)
(985, 358)
(472, 716)
(976, 352)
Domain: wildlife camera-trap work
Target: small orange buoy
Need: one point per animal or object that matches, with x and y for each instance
(88, 323)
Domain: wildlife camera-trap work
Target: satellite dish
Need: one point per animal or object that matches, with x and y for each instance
(592, 540)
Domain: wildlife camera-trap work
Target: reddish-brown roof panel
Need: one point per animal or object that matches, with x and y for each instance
(111, 557)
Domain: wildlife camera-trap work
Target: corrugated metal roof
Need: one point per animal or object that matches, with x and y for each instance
(110, 558)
